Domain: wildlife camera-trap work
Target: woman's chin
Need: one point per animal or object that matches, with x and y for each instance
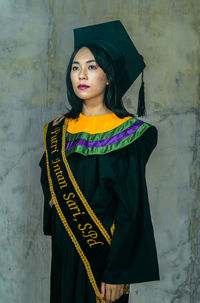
(83, 94)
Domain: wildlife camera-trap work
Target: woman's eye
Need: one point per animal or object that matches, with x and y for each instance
(74, 67)
(92, 67)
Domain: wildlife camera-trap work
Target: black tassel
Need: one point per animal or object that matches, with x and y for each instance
(141, 101)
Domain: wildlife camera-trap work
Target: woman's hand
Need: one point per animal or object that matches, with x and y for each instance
(111, 292)
(51, 202)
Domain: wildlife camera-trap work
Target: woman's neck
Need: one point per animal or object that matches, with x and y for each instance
(95, 111)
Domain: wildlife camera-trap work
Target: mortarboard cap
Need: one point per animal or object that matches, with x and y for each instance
(128, 63)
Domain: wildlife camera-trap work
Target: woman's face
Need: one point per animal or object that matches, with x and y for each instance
(88, 79)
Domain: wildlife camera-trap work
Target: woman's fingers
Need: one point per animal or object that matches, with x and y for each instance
(103, 289)
(119, 292)
(114, 293)
(108, 293)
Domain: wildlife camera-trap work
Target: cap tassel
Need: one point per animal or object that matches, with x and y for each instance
(141, 101)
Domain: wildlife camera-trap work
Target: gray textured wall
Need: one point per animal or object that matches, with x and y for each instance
(36, 42)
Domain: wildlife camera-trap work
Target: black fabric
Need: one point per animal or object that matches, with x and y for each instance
(115, 186)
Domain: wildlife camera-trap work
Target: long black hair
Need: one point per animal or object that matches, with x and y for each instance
(111, 96)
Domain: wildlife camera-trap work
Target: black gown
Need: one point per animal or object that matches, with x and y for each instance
(114, 184)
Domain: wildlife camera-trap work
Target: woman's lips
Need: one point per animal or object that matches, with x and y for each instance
(83, 87)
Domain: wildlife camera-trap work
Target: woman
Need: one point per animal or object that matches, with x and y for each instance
(93, 178)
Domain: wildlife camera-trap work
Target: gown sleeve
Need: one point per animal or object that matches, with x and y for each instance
(47, 209)
(133, 257)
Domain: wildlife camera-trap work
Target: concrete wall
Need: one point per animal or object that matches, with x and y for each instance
(36, 42)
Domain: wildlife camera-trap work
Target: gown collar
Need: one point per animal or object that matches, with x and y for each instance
(95, 124)
(98, 135)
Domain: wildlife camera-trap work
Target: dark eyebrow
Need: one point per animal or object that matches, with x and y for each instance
(76, 62)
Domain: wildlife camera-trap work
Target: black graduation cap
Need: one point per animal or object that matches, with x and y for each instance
(128, 63)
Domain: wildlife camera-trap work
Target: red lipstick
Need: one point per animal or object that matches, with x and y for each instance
(82, 86)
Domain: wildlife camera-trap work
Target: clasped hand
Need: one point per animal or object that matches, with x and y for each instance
(111, 292)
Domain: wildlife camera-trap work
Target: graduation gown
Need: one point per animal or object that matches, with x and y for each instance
(108, 162)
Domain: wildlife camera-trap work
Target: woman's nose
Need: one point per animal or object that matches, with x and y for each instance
(82, 74)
